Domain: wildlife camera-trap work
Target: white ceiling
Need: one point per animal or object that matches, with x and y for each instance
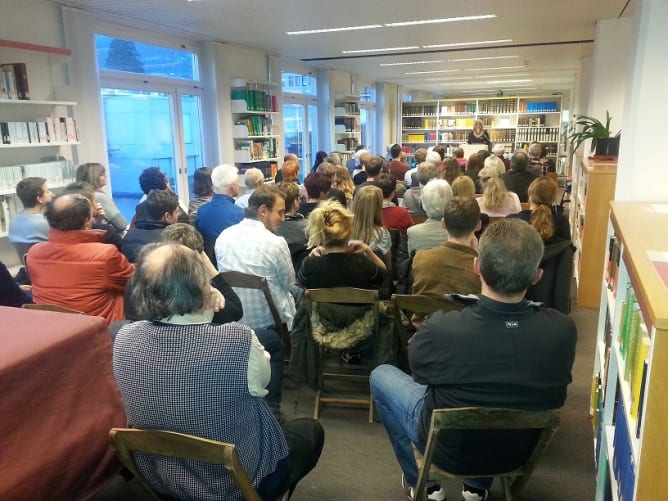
(548, 36)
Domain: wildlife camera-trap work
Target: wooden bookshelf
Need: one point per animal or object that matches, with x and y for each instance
(593, 189)
(637, 229)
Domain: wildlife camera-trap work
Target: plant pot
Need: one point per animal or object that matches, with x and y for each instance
(608, 146)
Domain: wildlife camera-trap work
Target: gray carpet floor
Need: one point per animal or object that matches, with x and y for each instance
(357, 462)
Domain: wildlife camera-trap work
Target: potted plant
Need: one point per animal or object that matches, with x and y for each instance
(602, 141)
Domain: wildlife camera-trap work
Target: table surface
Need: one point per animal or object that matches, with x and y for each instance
(59, 401)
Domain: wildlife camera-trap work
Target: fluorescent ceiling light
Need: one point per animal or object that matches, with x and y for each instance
(462, 44)
(448, 79)
(429, 72)
(333, 30)
(513, 75)
(480, 58)
(411, 62)
(497, 68)
(386, 49)
(496, 82)
(446, 20)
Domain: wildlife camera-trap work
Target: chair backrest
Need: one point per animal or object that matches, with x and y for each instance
(52, 307)
(525, 205)
(127, 441)
(419, 218)
(480, 418)
(248, 281)
(416, 303)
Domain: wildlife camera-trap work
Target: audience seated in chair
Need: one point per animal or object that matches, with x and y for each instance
(425, 172)
(202, 192)
(74, 268)
(253, 179)
(11, 293)
(152, 178)
(29, 226)
(500, 351)
(178, 372)
(435, 196)
(496, 200)
(518, 178)
(394, 218)
(293, 229)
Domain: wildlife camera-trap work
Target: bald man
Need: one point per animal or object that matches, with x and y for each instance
(73, 268)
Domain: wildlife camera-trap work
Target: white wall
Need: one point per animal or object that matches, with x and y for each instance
(642, 174)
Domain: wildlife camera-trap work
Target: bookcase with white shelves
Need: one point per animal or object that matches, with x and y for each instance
(628, 405)
(347, 131)
(513, 122)
(39, 134)
(256, 130)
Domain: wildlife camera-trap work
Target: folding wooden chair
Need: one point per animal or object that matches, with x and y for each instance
(127, 441)
(51, 307)
(478, 418)
(341, 295)
(248, 281)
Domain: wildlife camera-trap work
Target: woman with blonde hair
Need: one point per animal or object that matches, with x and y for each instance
(496, 200)
(344, 182)
(368, 222)
(463, 186)
(95, 174)
(338, 261)
(479, 135)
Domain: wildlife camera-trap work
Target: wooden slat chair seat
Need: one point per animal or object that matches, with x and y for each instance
(478, 418)
(127, 441)
(52, 307)
(339, 295)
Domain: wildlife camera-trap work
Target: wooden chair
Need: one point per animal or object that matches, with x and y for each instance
(416, 303)
(472, 418)
(127, 441)
(525, 205)
(419, 218)
(52, 307)
(338, 295)
(248, 281)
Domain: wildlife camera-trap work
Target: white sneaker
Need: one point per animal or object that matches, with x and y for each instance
(434, 492)
(473, 496)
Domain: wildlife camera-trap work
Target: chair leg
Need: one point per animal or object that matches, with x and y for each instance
(316, 406)
(507, 491)
(371, 408)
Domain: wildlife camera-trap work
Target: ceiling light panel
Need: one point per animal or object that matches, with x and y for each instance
(334, 30)
(430, 72)
(464, 44)
(411, 62)
(385, 49)
(500, 82)
(497, 68)
(463, 59)
(445, 20)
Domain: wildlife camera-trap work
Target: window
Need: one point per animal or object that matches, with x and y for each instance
(117, 54)
(296, 83)
(368, 116)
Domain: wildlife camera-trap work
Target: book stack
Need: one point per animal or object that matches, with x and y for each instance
(255, 99)
(14, 81)
(257, 125)
(42, 131)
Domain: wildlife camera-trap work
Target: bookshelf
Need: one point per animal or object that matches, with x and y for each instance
(593, 189)
(39, 134)
(256, 129)
(628, 404)
(514, 122)
(347, 131)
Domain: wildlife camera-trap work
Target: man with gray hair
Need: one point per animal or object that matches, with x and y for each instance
(500, 151)
(434, 197)
(221, 212)
(500, 350)
(426, 171)
(253, 179)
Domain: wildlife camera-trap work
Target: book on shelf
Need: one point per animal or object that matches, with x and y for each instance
(623, 464)
(631, 341)
(14, 81)
(639, 364)
(641, 398)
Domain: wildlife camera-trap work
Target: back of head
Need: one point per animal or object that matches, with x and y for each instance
(28, 189)
(223, 177)
(169, 280)
(159, 202)
(327, 169)
(265, 195)
(433, 157)
(458, 152)
(395, 151)
(474, 163)
(509, 254)
(387, 184)
(543, 193)
(484, 154)
(319, 158)
(317, 184)
(290, 191)
(202, 185)
(420, 155)
(440, 149)
(184, 234)
(334, 158)
(494, 189)
(451, 170)
(435, 196)
(374, 165)
(69, 212)
(90, 173)
(426, 171)
(82, 187)
(253, 178)
(499, 150)
(329, 224)
(359, 151)
(152, 178)
(461, 216)
(367, 207)
(535, 150)
(290, 170)
(463, 186)
(519, 161)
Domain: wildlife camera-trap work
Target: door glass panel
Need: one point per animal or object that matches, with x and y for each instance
(139, 130)
(313, 133)
(294, 124)
(192, 136)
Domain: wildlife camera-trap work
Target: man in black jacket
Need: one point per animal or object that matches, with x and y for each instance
(518, 178)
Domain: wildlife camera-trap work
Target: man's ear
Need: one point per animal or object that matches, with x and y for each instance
(476, 266)
(538, 276)
(443, 224)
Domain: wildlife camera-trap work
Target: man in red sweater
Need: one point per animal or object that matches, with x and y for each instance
(394, 218)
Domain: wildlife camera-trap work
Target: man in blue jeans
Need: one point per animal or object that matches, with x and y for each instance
(500, 350)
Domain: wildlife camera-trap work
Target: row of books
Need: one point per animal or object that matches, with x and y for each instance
(498, 106)
(14, 81)
(5, 214)
(537, 107)
(612, 265)
(257, 125)
(623, 465)
(57, 172)
(348, 143)
(420, 123)
(537, 121)
(458, 109)
(347, 109)
(259, 150)
(43, 131)
(349, 123)
(418, 110)
(633, 347)
(256, 100)
(539, 134)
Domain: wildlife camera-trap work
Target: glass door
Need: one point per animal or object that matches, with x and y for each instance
(300, 122)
